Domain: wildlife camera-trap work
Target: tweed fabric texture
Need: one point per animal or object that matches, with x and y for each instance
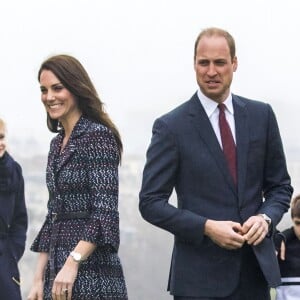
(84, 177)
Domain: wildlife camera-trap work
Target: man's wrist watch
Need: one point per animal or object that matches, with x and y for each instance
(266, 218)
(77, 257)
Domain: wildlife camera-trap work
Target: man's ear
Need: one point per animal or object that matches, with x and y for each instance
(234, 63)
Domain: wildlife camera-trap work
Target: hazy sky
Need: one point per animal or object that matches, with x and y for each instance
(139, 55)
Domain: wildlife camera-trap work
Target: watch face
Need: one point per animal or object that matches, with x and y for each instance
(76, 256)
(267, 218)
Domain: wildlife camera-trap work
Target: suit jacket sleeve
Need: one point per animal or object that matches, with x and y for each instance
(159, 179)
(277, 188)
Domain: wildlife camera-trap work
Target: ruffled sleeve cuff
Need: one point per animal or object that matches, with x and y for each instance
(103, 229)
(42, 242)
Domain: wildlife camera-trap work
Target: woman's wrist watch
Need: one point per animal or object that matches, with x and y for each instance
(77, 257)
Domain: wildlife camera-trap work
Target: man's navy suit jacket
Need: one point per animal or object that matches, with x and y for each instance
(185, 154)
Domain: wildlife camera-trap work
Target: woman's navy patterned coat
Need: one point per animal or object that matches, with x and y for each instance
(13, 226)
(84, 178)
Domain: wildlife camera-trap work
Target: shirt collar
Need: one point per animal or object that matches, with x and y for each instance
(210, 105)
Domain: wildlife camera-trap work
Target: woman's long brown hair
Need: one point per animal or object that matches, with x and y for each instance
(74, 77)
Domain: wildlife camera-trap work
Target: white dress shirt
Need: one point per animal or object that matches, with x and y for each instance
(212, 111)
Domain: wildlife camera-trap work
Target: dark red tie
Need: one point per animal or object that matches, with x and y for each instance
(229, 148)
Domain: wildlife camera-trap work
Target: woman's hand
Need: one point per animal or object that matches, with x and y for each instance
(64, 280)
(36, 291)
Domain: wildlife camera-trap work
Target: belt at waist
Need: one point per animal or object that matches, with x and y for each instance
(70, 215)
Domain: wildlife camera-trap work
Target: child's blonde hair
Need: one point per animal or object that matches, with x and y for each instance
(2, 123)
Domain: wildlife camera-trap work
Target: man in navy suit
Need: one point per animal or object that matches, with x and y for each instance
(223, 221)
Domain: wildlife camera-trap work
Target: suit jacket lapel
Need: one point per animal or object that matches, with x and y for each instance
(51, 165)
(202, 124)
(66, 154)
(242, 142)
(54, 164)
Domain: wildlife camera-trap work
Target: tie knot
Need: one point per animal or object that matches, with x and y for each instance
(222, 107)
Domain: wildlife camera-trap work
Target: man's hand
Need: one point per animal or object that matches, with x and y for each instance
(255, 230)
(226, 234)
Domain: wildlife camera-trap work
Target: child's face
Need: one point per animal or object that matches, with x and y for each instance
(2, 140)
(296, 222)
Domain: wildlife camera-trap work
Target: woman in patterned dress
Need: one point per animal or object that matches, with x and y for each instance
(79, 240)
